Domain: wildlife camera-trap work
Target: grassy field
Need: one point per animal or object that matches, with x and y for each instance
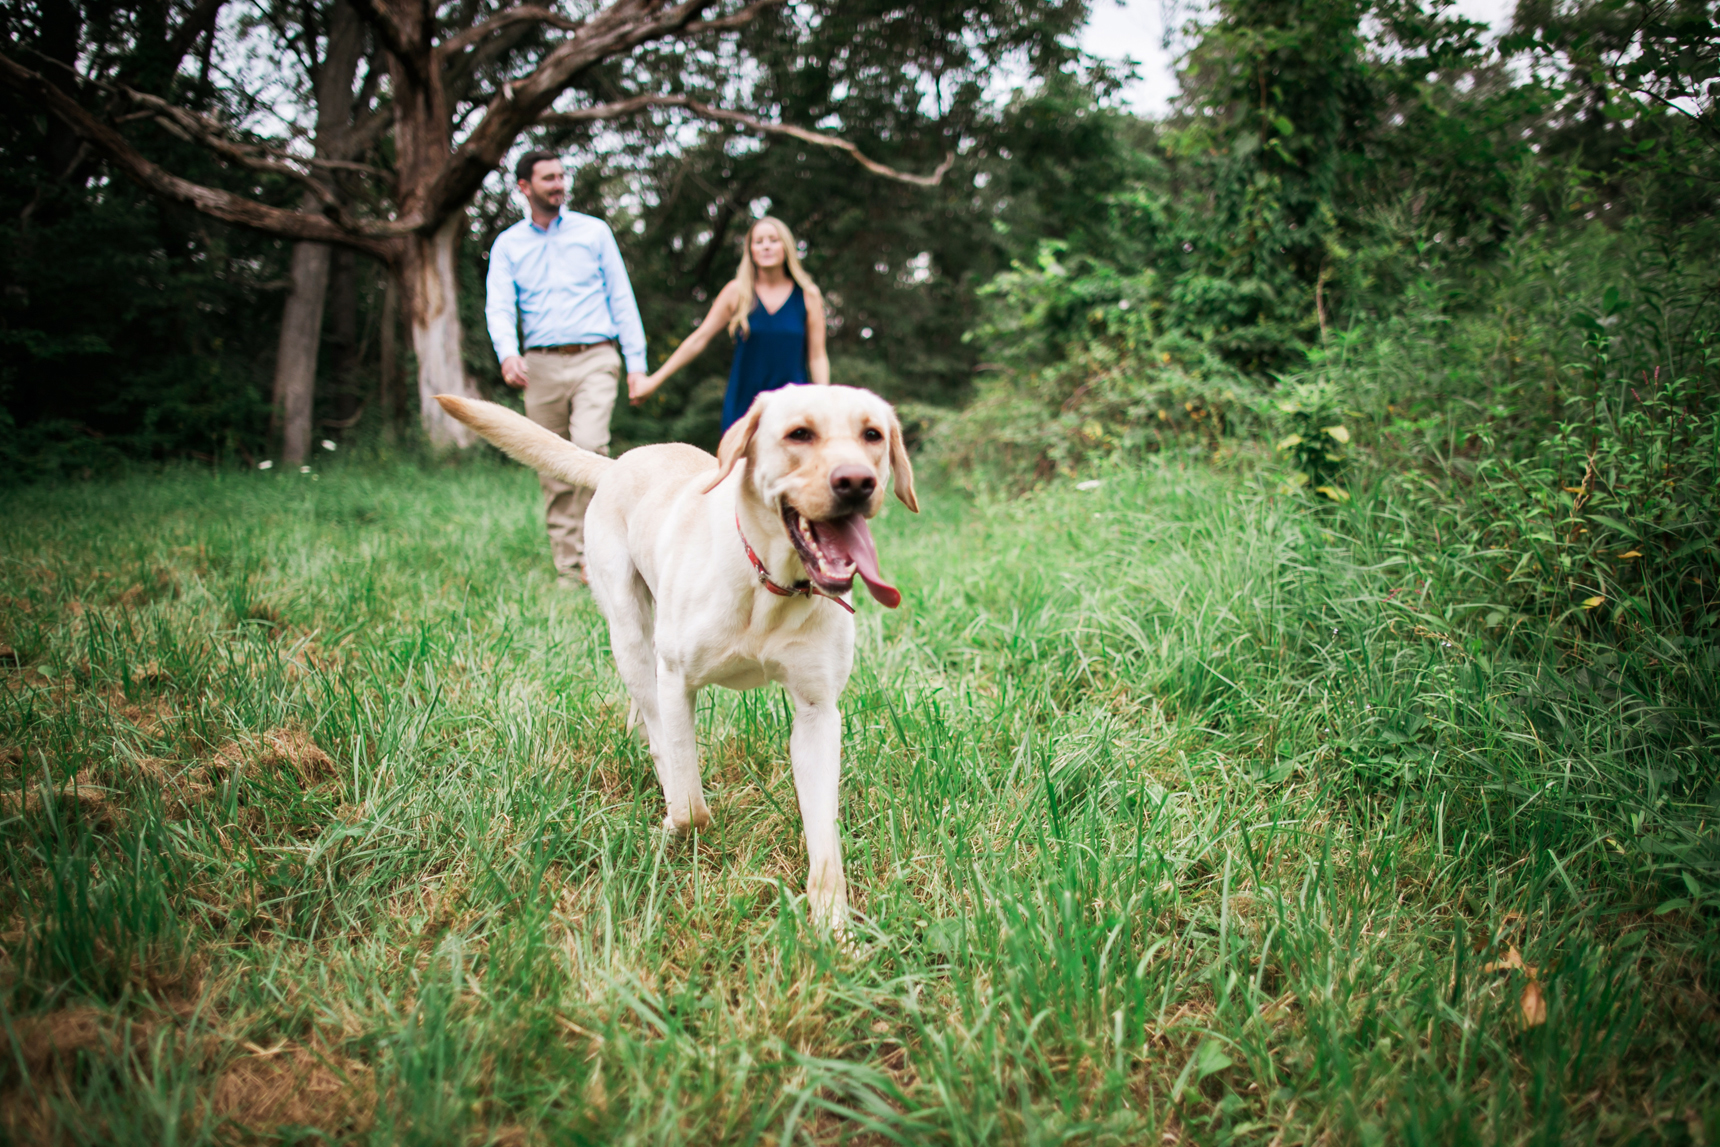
(1174, 812)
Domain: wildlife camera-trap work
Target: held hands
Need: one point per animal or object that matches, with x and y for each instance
(639, 384)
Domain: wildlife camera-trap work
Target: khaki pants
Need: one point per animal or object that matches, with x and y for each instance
(572, 395)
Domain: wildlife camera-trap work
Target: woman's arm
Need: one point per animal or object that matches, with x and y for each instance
(817, 360)
(691, 346)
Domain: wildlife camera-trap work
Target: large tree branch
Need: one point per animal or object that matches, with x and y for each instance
(501, 20)
(619, 28)
(732, 21)
(460, 72)
(198, 21)
(392, 36)
(628, 107)
(223, 205)
(365, 130)
(194, 128)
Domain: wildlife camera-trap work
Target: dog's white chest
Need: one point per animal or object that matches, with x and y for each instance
(786, 641)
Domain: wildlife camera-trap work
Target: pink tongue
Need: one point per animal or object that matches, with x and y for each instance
(849, 537)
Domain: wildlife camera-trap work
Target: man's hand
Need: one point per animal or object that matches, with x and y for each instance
(640, 385)
(514, 372)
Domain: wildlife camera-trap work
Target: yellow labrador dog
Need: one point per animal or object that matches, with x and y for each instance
(735, 571)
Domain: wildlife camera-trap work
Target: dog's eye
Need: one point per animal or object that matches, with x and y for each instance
(799, 434)
(873, 434)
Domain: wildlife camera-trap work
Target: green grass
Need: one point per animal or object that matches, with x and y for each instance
(1172, 811)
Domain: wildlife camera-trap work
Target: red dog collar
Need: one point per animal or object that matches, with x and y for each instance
(800, 589)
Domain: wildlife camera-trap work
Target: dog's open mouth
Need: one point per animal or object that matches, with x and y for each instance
(836, 550)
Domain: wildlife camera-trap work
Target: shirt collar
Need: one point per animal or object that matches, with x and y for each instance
(555, 224)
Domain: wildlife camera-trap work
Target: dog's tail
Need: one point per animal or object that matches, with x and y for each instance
(525, 441)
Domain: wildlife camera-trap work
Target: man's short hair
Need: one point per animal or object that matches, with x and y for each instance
(529, 161)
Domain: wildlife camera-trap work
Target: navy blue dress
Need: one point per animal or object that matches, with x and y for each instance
(771, 356)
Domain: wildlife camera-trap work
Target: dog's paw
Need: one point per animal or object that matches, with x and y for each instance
(678, 823)
(829, 909)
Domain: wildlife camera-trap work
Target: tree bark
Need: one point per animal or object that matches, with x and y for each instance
(342, 317)
(430, 291)
(302, 319)
(296, 360)
(428, 278)
(386, 369)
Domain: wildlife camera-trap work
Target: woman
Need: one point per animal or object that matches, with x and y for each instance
(776, 316)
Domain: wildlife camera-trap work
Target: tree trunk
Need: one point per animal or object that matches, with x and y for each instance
(296, 361)
(342, 312)
(386, 370)
(301, 322)
(429, 289)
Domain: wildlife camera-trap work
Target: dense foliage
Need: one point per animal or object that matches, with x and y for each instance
(127, 329)
(1459, 293)
(900, 263)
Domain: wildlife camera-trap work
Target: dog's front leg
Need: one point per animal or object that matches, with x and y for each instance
(815, 747)
(678, 755)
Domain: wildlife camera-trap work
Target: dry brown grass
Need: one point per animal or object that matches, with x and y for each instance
(261, 1092)
(48, 1045)
(289, 748)
(47, 1048)
(297, 1086)
(93, 801)
(184, 785)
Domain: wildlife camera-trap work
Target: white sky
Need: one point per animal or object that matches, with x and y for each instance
(1135, 28)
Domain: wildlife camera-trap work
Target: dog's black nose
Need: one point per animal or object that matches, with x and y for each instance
(853, 483)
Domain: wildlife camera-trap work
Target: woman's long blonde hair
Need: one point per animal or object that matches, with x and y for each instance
(748, 274)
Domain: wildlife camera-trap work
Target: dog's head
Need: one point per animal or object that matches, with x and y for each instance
(820, 456)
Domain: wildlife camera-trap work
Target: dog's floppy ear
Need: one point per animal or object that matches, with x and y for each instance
(736, 443)
(901, 470)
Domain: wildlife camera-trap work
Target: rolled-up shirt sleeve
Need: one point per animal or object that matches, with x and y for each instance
(623, 311)
(501, 309)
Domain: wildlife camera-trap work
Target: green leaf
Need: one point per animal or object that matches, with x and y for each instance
(1341, 433)
(1208, 1058)
(1284, 126)
(1288, 441)
(1624, 528)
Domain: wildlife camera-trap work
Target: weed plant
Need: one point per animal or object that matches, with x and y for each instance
(1173, 812)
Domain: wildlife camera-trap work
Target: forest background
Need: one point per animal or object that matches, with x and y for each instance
(1332, 175)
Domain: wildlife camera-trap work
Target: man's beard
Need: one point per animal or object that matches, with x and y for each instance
(544, 205)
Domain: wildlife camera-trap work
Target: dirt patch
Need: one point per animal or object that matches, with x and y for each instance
(287, 749)
(151, 675)
(93, 802)
(47, 1048)
(181, 786)
(48, 1045)
(148, 710)
(291, 1086)
(269, 614)
(157, 584)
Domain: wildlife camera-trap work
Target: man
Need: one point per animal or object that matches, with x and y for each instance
(559, 275)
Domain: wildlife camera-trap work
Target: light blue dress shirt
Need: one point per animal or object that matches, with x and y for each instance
(565, 284)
